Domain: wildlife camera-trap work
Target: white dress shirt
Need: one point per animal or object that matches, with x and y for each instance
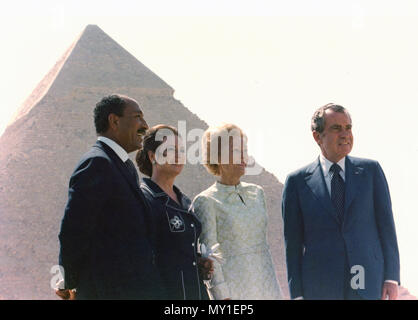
(122, 154)
(326, 165)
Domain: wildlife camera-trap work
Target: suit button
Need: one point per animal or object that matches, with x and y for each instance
(193, 244)
(192, 225)
(194, 263)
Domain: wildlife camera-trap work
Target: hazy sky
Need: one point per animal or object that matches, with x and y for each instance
(264, 65)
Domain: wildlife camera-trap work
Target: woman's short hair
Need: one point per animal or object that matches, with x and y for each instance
(209, 139)
(151, 143)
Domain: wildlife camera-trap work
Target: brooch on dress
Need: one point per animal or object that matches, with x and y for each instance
(176, 222)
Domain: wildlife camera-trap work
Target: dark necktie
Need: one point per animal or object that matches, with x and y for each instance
(131, 168)
(337, 191)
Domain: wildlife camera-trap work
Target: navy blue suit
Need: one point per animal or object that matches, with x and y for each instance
(105, 249)
(320, 251)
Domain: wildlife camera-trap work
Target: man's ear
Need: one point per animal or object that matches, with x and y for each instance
(113, 120)
(317, 136)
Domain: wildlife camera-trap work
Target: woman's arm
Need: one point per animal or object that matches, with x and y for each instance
(218, 287)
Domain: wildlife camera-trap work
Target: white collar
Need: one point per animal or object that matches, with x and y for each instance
(326, 164)
(122, 154)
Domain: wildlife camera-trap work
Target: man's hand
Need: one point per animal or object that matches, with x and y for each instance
(205, 268)
(65, 294)
(389, 290)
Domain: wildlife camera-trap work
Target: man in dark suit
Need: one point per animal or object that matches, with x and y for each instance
(338, 224)
(105, 251)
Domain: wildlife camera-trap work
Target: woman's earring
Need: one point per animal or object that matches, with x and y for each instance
(154, 162)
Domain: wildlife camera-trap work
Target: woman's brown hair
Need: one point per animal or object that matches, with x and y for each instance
(150, 143)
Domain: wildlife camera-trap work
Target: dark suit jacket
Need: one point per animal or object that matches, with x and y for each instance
(319, 249)
(175, 237)
(105, 249)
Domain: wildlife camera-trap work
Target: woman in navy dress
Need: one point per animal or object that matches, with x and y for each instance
(174, 229)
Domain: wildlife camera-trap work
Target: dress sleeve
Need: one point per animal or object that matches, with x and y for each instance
(203, 209)
(263, 199)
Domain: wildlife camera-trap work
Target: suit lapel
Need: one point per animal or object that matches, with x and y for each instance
(123, 169)
(353, 176)
(316, 182)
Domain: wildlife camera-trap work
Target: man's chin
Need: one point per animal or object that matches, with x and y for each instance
(343, 154)
(138, 146)
(346, 153)
(177, 166)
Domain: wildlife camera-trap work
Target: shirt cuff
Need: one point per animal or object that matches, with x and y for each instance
(392, 281)
(299, 298)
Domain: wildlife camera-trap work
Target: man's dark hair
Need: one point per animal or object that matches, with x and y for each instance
(109, 104)
(318, 119)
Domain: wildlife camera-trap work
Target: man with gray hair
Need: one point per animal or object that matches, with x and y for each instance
(338, 223)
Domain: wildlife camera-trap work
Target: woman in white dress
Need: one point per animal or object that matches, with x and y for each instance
(233, 214)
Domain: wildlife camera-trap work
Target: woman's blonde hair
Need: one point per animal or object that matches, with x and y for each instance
(213, 137)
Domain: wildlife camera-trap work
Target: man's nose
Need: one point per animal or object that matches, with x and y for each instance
(145, 124)
(345, 133)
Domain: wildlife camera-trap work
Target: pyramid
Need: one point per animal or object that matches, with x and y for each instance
(49, 133)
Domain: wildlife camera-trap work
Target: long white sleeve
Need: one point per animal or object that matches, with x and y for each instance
(218, 287)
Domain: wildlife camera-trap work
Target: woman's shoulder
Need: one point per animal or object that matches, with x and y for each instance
(205, 197)
(153, 196)
(209, 192)
(252, 188)
(251, 185)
